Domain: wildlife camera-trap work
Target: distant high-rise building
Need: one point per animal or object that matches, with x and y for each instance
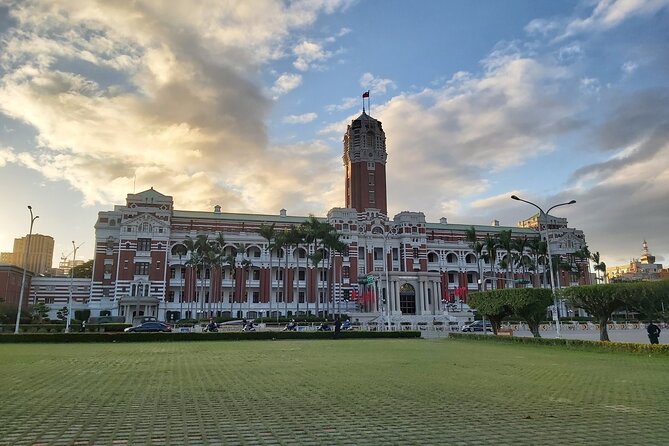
(40, 255)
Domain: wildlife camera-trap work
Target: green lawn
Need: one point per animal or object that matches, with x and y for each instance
(329, 392)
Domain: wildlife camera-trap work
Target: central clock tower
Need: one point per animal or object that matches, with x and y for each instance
(365, 164)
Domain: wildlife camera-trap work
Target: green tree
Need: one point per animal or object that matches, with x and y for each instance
(62, 314)
(83, 271)
(598, 300)
(650, 299)
(39, 312)
(529, 304)
(492, 305)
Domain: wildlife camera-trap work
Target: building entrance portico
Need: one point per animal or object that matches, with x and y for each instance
(133, 308)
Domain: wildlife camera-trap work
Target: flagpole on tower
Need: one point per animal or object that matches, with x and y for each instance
(365, 95)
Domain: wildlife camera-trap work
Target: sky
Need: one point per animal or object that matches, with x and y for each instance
(244, 104)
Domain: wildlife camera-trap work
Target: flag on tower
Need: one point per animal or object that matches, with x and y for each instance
(365, 94)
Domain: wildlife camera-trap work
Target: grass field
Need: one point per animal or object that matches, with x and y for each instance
(329, 392)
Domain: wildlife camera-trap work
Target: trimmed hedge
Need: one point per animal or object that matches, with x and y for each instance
(629, 347)
(180, 337)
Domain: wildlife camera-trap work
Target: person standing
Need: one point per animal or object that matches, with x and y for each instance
(337, 329)
(653, 333)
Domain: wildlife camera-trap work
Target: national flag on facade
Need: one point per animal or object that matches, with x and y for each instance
(365, 94)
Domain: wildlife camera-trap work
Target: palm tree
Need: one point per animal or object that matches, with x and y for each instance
(519, 245)
(477, 247)
(490, 255)
(194, 247)
(505, 242)
(599, 266)
(332, 243)
(314, 231)
(268, 233)
(537, 248)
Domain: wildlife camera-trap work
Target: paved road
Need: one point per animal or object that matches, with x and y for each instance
(638, 335)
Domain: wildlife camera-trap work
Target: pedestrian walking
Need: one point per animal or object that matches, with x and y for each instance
(653, 333)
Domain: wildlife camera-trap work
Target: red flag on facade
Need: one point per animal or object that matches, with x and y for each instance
(365, 94)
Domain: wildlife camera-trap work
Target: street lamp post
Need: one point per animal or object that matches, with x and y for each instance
(25, 266)
(69, 299)
(556, 317)
(392, 231)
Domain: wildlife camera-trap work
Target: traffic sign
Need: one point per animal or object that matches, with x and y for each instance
(370, 280)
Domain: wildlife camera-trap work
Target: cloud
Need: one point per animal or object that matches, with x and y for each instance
(307, 53)
(300, 119)
(170, 96)
(345, 104)
(376, 85)
(629, 67)
(448, 140)
(606, 14)
(285, 83)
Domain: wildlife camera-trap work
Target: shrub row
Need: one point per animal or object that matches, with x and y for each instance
(629, 347)
(180, 337)
(60, 328)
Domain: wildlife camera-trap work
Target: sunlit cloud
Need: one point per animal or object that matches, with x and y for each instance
(300, 119)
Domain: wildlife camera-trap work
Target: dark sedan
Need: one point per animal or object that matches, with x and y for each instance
(150, 326)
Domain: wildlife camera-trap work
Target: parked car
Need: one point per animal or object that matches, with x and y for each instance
(477, 326)
(150, 326)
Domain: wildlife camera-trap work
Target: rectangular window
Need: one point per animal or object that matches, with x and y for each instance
(371, 179)
(143, 244)
(173, 273)
(279, 296)
(371, 197)
(323, 276)
(346, 271)
(301, 275)
(170, 296)
(415, 253)
(256, 297)
(470, 278)
(378, 253)
(142, 269)
(361, 253)
(279, 274)
(301, 297)
(255, 274)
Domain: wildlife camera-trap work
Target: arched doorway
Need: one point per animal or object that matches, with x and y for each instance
(407, 299)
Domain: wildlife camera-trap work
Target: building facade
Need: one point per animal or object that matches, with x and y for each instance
(643, 268)
(404, 267)
(40, 256)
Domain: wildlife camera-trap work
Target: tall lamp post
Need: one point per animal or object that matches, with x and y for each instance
(556, 318)
(69, 299)
(25, 266)
(392, 231)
